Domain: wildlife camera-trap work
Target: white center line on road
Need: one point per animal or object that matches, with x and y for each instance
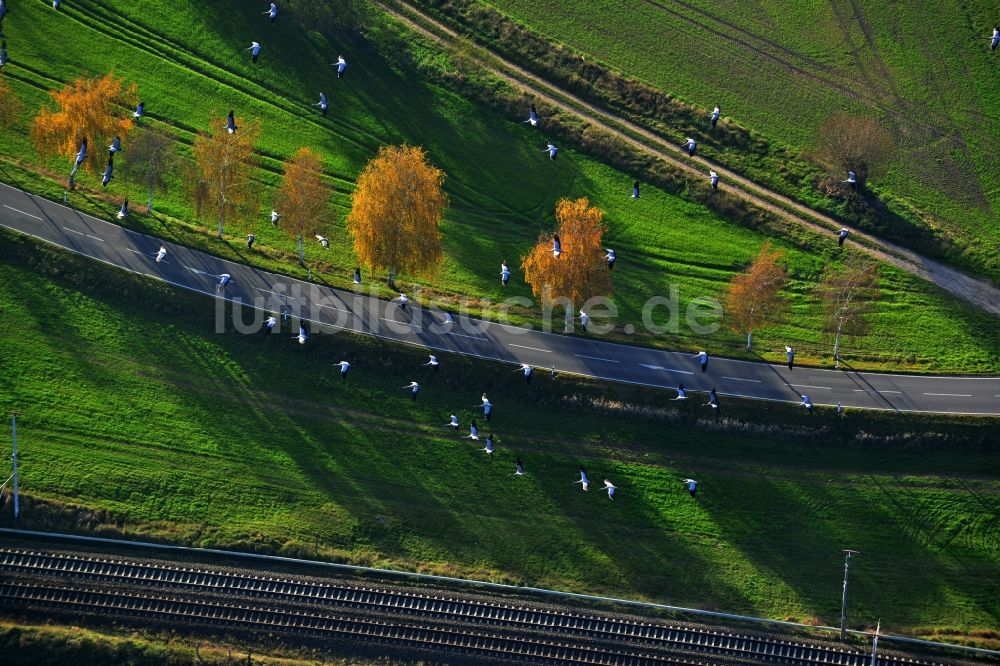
(881, 391)
(825, 388)
(598, 358)
(257, 288)
(463, 335)
(952, 395)
(333, 307)
(404, 323)
(74, 231)
(22, 212)
(861, 390)
(547, 351)
(660, 367)
(741, 379)
(95, 238)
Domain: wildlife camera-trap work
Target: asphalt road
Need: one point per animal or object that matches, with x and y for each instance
(197, 271)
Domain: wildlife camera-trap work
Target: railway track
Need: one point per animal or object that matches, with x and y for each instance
(160, 592)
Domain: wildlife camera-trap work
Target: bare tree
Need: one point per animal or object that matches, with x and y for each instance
(853, 143)
(149, 157)
(850, 293)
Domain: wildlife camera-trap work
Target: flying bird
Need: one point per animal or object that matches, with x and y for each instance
(584, 481)
(231, 123)
(414, 389)
(324, 241)
(272, 12)
(489, 445)
(108, 172)
(269, 324)
(341, 66)
(254, 51)
(116, 145)
(610, 487)
(161, 253)
(532, 117)
(518, 468)
(302, 336)
(82, 153)
(123, 211)
(453, 423)
(473, 431)
(692, 486)
(433, 362)
(344, 367)
(556, 246)
(140, 110)
(323, 104)
(551, 150)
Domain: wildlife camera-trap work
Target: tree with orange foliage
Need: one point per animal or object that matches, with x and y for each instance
(754, 298)
(580, 271)
(90, 109)
(396, 212)
(303, 198)
(10, 105)
(221, 179)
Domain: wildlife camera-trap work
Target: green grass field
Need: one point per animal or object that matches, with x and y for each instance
(151, 425)
(187, 62)
(923, 69)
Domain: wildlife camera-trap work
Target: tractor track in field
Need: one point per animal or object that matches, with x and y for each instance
(977, 292)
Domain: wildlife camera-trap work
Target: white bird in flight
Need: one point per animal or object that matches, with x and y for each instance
(301, 337)
(584, 481)
(610, 487)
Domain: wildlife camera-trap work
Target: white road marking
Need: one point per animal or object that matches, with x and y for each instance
(598, 358)
(333, 307)
(74, 231)
(199, 272)
(547, 351)
(741, 379)
(952, 395)
(394, 321)
(825, 388)
(261, 289)
(660, 367)
(881, 391)
(95, 238)
(861, 390)
(22, 212)
(463, 335)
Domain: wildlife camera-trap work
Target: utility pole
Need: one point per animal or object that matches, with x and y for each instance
(17, 508)
(843, 601)
(875, 643)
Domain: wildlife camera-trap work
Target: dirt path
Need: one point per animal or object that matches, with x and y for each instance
(977, 292)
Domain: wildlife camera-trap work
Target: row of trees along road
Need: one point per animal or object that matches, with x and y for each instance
(398, 204)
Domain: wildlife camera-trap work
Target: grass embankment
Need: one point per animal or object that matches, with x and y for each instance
(780, 71)
(137, 420)
(43, 645)
(502, 188)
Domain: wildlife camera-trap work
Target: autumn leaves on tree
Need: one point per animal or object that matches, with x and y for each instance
(87, 109)
(580, 271)
(396, 212)
(754, 299)
(221, 178)
(303, 198)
